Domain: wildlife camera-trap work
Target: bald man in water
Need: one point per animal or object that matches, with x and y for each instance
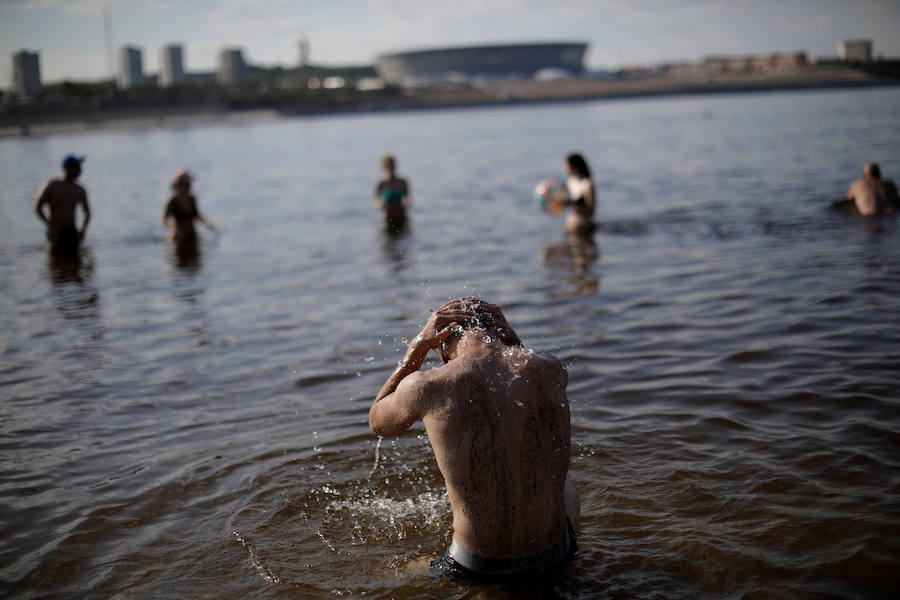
(872, 194)
(62, 197)
(497, 417)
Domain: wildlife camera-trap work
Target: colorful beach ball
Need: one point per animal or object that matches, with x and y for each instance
(551, 195)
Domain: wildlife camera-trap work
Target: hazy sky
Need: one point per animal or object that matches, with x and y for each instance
(69, 33)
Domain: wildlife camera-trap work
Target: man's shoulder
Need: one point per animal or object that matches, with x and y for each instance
(448, 372)
(49, 186)
(548, 360)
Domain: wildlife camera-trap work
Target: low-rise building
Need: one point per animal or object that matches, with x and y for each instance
(855, 50)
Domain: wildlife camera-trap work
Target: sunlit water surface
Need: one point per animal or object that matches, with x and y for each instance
(198, 429)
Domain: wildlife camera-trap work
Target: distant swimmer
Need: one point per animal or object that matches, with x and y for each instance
(392, 194)
(872, 194)
(62, 197)
(497, 417)
(181, 211)
(582, 196)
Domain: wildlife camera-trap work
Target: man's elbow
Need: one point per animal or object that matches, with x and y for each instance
(386, 427)
(381, 428)
(373, 423)
(377, 424)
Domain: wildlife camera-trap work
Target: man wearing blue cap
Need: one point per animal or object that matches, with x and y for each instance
(63, 196)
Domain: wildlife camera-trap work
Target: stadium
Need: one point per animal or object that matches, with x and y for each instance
(474, 62)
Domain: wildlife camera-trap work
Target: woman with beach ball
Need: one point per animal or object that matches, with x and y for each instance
(577, 194)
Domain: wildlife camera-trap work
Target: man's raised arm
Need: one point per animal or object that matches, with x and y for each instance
(397, 407)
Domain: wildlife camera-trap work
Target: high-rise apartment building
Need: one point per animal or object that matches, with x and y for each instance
(26, 73)
(131, 68)
(303, 47)
(171, 65)
(232, 68)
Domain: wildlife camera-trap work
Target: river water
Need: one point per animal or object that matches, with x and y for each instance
(198, 428)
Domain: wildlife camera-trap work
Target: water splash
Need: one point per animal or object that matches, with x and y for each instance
(327, 543)
(263, 570)
(384, 518)
(377, 458)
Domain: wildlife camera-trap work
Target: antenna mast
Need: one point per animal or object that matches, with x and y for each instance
(107, 29)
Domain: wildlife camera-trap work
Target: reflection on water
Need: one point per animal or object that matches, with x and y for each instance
(396, 247)
(576, 256)
(71, 273)
(70, 265)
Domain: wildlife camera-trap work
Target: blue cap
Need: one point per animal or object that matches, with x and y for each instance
(72, 159)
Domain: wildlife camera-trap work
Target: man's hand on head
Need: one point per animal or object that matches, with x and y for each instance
(440, 325)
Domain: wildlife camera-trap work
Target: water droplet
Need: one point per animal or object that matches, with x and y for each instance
(369, 358)
(486, 339)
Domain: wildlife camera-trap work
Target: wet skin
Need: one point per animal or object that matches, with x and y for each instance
(497, 418)
(873, 195)
(62, 197)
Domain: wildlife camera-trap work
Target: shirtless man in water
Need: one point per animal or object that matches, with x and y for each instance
(872, 194)
(497, 417)
(63, 196)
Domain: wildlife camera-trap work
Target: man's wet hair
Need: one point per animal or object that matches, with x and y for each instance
(873, 170)
(482, 320)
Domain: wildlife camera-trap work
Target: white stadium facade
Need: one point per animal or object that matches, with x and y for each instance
(474, 62)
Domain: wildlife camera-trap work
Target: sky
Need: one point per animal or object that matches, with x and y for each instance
(69, 34)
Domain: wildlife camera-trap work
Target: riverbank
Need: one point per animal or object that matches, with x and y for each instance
(449, 95)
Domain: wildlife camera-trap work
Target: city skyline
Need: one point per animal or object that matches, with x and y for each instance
(70, 39)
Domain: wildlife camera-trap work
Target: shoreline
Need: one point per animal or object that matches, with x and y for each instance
(441, 96)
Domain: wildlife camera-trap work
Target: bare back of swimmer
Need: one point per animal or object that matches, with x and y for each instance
(872, 194)
(497, 417)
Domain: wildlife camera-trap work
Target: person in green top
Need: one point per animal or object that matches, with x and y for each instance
(392, 195)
